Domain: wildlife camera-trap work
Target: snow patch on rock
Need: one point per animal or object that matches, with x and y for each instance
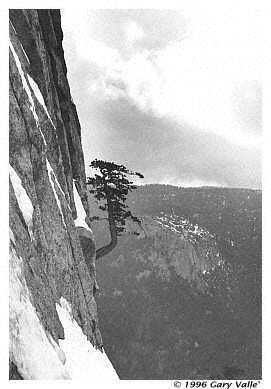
(30, 349)
(11, 236)
(23, 200)
(83, 361)
(23, 50)
(27, 89)
(54, 180)
(39, 96)
(80, 221)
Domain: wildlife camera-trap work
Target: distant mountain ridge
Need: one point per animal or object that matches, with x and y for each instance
(224, 212)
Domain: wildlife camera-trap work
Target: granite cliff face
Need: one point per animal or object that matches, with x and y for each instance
(52, 278)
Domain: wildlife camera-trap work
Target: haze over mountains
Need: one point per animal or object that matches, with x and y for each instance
(183, 298)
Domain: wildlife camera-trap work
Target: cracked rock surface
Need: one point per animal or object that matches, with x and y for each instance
(46, 157)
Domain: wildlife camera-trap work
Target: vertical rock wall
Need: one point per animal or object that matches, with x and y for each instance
(45, 158)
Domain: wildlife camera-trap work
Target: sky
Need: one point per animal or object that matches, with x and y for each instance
(173, 94)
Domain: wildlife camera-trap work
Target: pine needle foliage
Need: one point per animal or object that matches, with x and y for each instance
(110, 185)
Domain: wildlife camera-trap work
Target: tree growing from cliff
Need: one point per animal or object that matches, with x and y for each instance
(110, 186)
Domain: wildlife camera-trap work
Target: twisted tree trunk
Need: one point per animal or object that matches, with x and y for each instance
(102, 251)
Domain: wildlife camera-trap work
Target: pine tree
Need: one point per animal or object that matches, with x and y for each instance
(110, 186)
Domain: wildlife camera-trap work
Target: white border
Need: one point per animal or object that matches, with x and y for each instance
(265, 7)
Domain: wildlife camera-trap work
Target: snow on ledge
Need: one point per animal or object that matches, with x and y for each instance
(23, 50)
(23, 200)
(39, 96)
(83, 361)
(36, 354)
(81, 213)
(27, 89)
(11, 236)
(52, 176)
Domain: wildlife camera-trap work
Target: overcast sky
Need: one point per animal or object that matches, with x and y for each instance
(174, 94)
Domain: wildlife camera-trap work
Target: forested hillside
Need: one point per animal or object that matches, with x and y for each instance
(183, 298)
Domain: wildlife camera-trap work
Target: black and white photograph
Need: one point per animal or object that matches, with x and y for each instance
(135, 194)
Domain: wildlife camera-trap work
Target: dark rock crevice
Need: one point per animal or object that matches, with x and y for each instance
(13, 372)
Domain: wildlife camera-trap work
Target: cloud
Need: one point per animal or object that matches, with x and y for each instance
(133, 32)
(203, 79)
(247, 103)
(191, 80)
(169, 152)
(164, 150)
